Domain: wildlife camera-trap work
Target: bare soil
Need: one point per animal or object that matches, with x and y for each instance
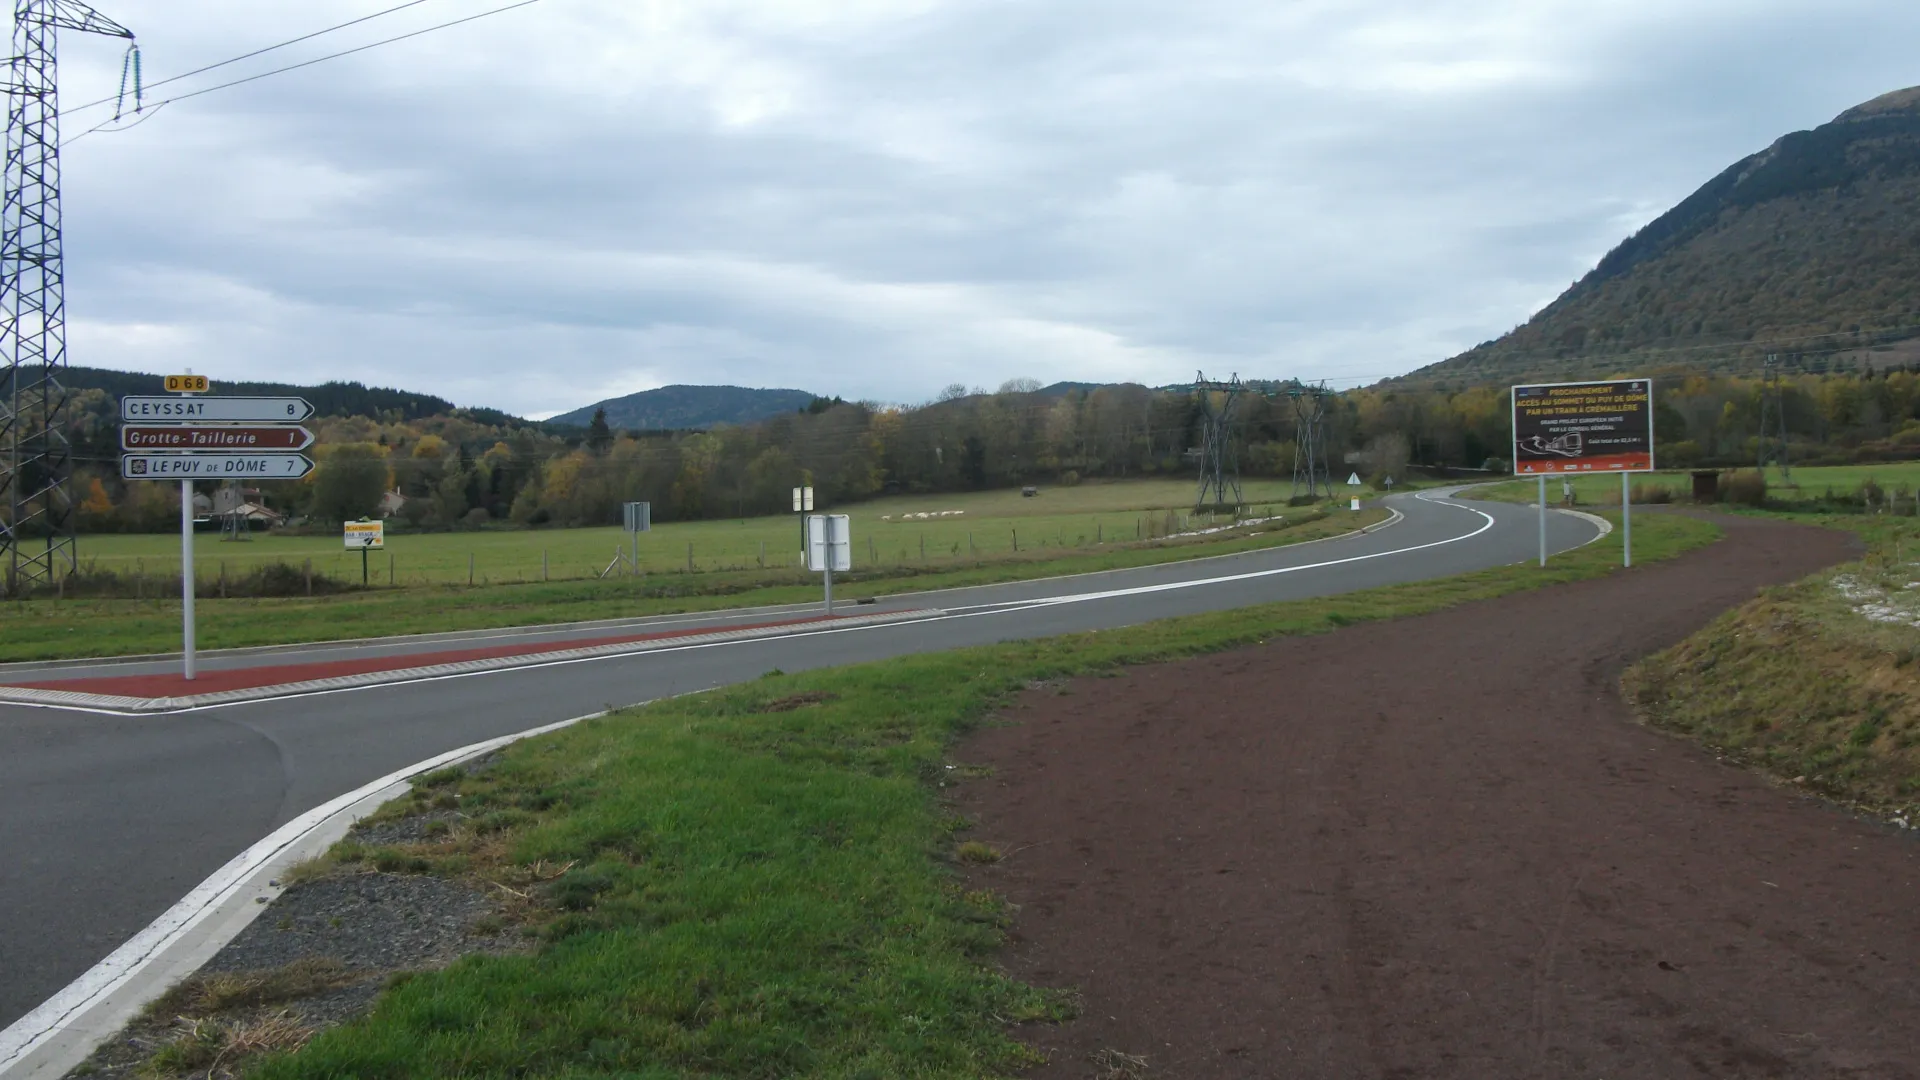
(1442, 847)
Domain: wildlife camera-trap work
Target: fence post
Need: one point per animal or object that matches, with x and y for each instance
(469, 569)
(309, 576)
(689, 556)
(1016, 541)
(223, 579)
(543, 564)
(871, 557)
(763, 552)
(389, 566)
(1098, 535)
(923, 549)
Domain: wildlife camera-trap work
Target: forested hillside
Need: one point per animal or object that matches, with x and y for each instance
(1809, 248)
(688, 408)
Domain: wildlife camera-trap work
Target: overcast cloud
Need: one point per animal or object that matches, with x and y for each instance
(876, 198)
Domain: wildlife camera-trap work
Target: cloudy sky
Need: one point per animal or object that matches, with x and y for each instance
(877, 198)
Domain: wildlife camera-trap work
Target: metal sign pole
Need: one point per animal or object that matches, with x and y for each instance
(1543, 519)
(1626, 518)
(186, 576)
(826, 530)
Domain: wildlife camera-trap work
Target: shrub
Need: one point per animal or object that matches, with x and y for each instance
(1746, 487)
(1652, 494)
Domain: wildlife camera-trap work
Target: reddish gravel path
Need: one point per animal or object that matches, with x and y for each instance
(247, 678)
(1440, 847)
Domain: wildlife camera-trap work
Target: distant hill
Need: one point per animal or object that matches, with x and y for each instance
(683, 408)
(329, 399)
(1809, 247)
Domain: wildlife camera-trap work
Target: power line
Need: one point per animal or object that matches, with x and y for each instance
(64, 113)
(315, 60)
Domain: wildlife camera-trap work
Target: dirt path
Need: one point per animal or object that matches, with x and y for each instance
(1440, 847)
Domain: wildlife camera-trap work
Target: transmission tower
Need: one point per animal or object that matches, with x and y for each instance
(35, 457)
(1773, 421)
(1219, 458)
(1310, 466)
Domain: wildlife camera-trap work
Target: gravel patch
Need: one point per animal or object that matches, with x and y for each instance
(373, 924)
(388, 922)
(416, 829)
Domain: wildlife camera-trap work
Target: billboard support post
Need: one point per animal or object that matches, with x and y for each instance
(1626, 519)
(1543, 521)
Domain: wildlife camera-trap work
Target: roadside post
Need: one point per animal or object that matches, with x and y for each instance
(638, 518)
(1592, 427)
(803, 504)
(367, 536)
(189, 437)
(829, 548)
(1353, 497)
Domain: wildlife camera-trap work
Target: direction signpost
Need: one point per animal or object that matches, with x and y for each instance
(214, 465)
(1562, 428)
(188, 438)
(151, 437)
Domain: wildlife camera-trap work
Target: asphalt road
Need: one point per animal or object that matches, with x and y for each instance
(108, 820)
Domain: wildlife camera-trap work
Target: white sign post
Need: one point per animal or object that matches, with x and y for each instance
(186, 448)
(638, 518)
(1353, 480)
(803, 504)
(829, 548)
(186, 563)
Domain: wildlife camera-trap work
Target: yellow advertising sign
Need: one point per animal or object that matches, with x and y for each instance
(188, 384)
(366, 534)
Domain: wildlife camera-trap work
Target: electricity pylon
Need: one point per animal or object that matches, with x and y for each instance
(1219, 459)
(1310, 465)
(35, 457)
(1773, 422)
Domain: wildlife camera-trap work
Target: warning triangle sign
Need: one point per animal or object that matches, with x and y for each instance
(1354, 480)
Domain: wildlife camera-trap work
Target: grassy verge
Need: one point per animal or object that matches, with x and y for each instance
(757, 881)
(55, 629)
(1815, 683)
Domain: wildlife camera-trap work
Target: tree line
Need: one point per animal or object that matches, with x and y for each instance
(463, 469)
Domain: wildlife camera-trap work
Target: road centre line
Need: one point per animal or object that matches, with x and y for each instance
(1009, 607)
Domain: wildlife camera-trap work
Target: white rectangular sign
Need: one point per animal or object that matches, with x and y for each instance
(214, 466)
(802, 500)
(366, 534)
(187, 410)
(829, 532)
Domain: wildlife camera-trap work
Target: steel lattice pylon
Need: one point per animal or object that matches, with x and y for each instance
(1310, 465)
(35, 458)
(1773, 422)
(1219, 458)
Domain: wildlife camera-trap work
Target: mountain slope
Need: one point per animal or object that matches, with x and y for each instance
(1810, 247)
(682, 408)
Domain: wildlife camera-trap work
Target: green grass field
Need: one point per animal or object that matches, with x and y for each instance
(959, 529)
(760, 881)
(1809, 482)
(52, 629)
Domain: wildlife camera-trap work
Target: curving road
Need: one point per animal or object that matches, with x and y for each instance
(110, 819)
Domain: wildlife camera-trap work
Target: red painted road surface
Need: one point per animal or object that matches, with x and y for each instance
(213, 682)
